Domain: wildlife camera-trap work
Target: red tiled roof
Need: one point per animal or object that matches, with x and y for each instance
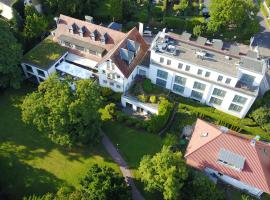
(203, 152)
(116, 41)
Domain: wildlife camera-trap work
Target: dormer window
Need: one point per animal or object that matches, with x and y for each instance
(94, 35)
(104, 38)
(81, 31)
(133, 46)
(126, 55)
(73, 28)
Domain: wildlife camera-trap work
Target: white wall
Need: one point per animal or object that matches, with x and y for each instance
(6, 11)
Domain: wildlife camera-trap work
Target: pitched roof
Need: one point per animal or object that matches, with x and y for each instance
(208, 140)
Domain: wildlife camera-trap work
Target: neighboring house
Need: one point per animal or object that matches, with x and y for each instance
(6, 10)
(91, 50)
(209, 72)
(230, 157)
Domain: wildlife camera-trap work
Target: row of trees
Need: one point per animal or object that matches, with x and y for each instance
(100, 183)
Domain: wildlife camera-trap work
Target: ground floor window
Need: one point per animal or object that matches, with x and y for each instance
(142, 72)
(41, 73)
(215, 101)
(105, 81)
(161, 82)
(178, 88)
(29, 68)
(235, 107)
(118, 86)
(196, 95)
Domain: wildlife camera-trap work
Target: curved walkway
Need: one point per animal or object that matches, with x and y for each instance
(136, 195)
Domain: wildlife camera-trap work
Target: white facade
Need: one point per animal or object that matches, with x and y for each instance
(205, 84)
(6, 11)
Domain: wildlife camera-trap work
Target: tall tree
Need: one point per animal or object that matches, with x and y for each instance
(234, 15)
(10, 57)
(164, 172)
(103, 183)
(35, 23)
(116, 9)
(66, 116)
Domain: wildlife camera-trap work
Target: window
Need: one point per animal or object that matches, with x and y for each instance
(161, 82)
(239, 99)
(180, 80)
(41, 73)
(220, 78)
(118, 76)
(112, 84)
(92, 52)
(79, 48)
(161, 60)
(228, 81)
(103, 71)
(67, 44)
(215, 101)
(219, 92)
(199, 72)
(196, 95)
(118, 86)
(207, 74)
(29, 68)
(235, 107)
(105, 81)
(169, 62)
(162, 74)
(180, 65)
(142, 72)
(178, 88)
(247, 79)
(187, 68)
(199, 86)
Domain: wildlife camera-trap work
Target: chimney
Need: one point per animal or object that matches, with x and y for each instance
(254, 140)
(141, 28)
(56, 19)
(89, 19)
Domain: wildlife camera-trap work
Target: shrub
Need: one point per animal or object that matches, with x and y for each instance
(153, 99)
(106, 92)
(143, 98)
(147, 86)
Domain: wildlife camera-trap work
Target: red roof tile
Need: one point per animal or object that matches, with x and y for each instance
(203, 152)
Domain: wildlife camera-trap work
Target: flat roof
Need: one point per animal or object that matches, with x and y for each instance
(45, 54)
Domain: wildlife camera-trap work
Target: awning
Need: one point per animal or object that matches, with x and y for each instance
(74, 70)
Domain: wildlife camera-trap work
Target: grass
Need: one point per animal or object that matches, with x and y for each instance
(30, 162)
(133, 145)
(45, 53)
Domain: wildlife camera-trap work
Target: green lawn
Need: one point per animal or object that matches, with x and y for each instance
(30, 163)
(133, 145)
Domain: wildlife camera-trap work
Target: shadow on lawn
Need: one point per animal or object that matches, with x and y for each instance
(25, 179)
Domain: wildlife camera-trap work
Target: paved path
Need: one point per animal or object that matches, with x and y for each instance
(136, 195)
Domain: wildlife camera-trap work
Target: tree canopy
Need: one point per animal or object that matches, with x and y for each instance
(103, 183)
(67, 116)
(239, 16)
(10, 57)
(164, 172)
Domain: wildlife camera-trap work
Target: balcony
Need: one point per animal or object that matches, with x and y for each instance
(240, 84)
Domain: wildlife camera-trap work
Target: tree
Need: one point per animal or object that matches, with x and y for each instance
(101, 183)
(198, 30)
(10, 57)
(66, 116)
(238, 16)
(261, 115)
(164, 172)
(108, 112)
(35, 23)
(116, 9)
(182, 6)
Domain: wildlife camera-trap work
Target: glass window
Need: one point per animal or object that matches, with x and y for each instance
(180, 65)
(161, 60)
(247, 79)
(196, 95)
(169, 62)
(207, 74)
(92, 52)
(162, 74)
(215, 101)
(239, 99)
(180, 80)
(220, 78)
(219, 92)
(112, 84)
(29, 68)
(105, 81)
(199, 72)
(79, 48)
(41, 73)
(103, 71)
(235, 107)
(199, 86)
(228, 81)
(161, 82)
(118, 86)
(178, 88)
(67, 44)
(187, 68)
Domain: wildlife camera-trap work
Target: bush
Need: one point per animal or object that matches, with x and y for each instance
(106, 92)
(153, 99)
(147, 85)
(143, 98)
